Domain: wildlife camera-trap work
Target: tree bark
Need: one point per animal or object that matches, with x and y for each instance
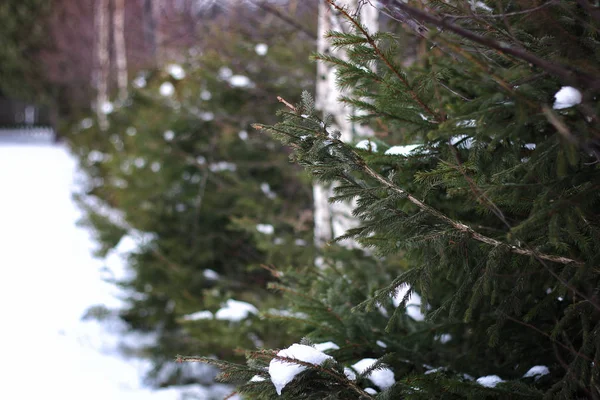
(120, 49)
(332, 220)
(102, 61)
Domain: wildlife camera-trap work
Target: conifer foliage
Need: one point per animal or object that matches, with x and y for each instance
(484, 180)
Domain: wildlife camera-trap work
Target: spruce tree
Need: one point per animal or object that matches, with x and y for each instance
(211, 203)
(484, 181)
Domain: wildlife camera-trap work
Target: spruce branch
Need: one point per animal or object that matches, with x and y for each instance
(566, 73)
(459, 226)
(386, 60)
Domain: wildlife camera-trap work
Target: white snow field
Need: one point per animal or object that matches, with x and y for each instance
(48, 280)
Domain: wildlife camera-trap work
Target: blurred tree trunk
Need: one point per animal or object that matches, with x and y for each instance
(332, 220)
(152, 28)
(102, 61)
(120, 49)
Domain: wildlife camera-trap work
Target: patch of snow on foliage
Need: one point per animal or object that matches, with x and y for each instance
(225, 73)
(489, 381)
(166, 89)
(566, 97)
(176, 71)
(210, 274)
(266, 189)
(257, 378)
(267, 229)
(169, 135)
(326, 346)
(107, 107)
(139, 82)
(370, 390)
(240, 81)
(401, 150)
(382, 377)
(222, 166)
(243, 135)
(462, 140)
(205, 95)
(235, 311)
(530, 146)
(198, 316)
(283, 372)
(261, 49)
(413, 304)
(367, 145)
(444, 338)
(381, 344)
(537, 372)
(349, 374)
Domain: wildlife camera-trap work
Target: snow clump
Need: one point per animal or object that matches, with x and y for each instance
(283, 372)
(326, 346)
(401, 150)
(166, 89)
(176, 71)
(413, 304)
(267, 229)
(261, 49)
(538, 371)
(566, 97)
(367, 145)
(198, 316)
(235, 311)
(381, 377)
(489, 381)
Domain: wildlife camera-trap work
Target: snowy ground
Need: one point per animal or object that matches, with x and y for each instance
(48, 280)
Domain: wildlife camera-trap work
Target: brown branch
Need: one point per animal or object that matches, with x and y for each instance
(285, 18)
(567, 74)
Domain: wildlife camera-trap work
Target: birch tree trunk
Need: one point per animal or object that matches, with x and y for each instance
(102, 61)
(120, 49)
(332, 220)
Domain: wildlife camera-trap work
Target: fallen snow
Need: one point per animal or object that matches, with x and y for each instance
(198, 316)
(566, 97)
(326, 346)
(235, 311)
(41, 239)
(367, 145)
(283, 372)
(537, 372)
(489, 381)
(166, 89)
(381, 377)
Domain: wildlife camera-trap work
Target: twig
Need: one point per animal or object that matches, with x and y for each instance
(566, 73)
